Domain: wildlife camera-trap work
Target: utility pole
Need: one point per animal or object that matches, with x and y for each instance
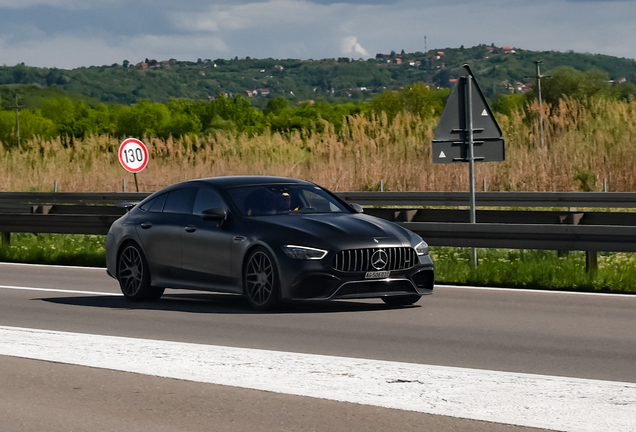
(17, 117)
(425, 50)
(538, 77)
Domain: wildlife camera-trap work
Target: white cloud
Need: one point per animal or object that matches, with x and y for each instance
(191, 29)
(72, 52)
(254, 15)
(350, 45)
(65, 4)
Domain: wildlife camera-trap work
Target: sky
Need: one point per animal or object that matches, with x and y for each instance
(68, 34)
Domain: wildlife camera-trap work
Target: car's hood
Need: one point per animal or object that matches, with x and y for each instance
(337, 228)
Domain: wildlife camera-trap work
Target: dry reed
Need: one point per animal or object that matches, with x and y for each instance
(588, 141)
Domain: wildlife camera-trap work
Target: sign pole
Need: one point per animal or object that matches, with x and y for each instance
(466, 114)
(136, 184)
(471, 154)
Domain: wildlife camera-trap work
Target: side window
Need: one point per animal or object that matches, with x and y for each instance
(146, 206)
(179, 201)
(205, 200)
(157, 205)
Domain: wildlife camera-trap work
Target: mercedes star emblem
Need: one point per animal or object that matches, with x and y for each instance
(379, 259)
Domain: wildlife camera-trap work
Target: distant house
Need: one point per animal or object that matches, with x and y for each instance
(202, 73)
(507, 50)
(165, 64)
(452, 80)
(262, 92)
(440, 53)
(248, 93)
(398, 61)
(278, 67)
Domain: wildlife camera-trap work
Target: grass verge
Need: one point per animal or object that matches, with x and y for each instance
(59, 249)
(512, 268)
(515, 268)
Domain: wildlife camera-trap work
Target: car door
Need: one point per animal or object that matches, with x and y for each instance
(160, 229)
(207, 244)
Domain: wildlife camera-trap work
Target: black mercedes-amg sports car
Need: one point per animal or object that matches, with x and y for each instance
(267, 238)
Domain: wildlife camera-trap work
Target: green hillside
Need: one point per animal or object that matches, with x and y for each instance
(498, 69)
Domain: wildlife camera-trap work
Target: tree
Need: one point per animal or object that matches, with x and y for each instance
(276, 106)
(569, 82)
(508, 103)
(416, 98)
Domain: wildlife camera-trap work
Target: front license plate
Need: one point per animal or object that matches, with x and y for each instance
(377, 274)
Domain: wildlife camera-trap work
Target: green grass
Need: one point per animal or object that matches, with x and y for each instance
(60, 249)
(516, 268)
(497, 267)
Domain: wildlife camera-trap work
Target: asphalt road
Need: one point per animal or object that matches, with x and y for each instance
(570, 335)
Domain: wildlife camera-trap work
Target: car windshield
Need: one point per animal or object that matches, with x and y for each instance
(284, 199)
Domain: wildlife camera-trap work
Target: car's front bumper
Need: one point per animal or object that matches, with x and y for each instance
(327, 284)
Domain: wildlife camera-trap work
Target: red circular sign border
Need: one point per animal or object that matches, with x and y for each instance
(143, 147)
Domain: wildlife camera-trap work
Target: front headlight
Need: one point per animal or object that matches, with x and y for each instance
(304, 252)
(422, 248)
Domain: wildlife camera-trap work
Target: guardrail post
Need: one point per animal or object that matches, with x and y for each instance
(591, 256)
(570, 219)
(591, 261)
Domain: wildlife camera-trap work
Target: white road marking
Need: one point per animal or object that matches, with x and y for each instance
(53, 265)
(58, 290)
(551, 402)
(544, 291)
(587, 293)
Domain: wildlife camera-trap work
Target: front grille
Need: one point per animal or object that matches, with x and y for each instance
(360, 260)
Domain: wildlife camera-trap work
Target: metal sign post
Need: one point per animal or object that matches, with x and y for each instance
(471, 156)
(454, 137)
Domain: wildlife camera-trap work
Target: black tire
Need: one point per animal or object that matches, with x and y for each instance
(260, 280)
(133, 275)
(403, 300)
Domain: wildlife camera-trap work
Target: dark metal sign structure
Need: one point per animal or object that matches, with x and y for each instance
(467, 114)
(468, 132)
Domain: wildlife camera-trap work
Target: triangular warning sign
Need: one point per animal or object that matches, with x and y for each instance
(453, 122)
(442, 155)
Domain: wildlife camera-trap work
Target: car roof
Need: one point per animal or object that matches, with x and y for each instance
(248, 180)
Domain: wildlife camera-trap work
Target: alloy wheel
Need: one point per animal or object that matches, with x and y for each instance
(131, 271)
(259, 278)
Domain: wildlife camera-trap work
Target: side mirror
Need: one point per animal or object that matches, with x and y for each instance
(356, 207)
(128, 206)
(215, 214)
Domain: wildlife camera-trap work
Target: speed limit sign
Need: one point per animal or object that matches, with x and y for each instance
(133, 155)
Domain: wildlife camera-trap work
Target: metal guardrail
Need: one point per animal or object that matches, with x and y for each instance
(516, 236)
(450, 199)
(93, 213)
(495, 199)
(69, 198)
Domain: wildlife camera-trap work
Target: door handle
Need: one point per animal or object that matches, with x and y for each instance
(190, 228)
(146, 225)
